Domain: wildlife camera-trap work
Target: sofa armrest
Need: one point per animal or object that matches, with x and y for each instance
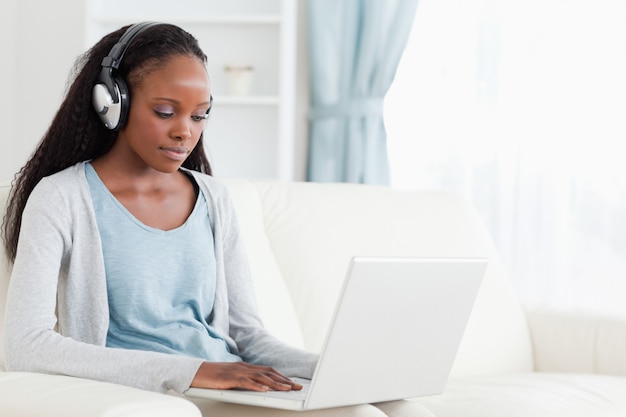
(25, 394)
(577, 342)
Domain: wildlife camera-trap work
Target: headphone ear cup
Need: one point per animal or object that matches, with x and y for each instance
(113, 115)
(105, 106)
(124, 96)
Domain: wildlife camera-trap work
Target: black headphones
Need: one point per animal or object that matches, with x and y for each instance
(110, 95)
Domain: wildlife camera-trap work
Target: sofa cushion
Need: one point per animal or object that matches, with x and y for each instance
(533, 394)
(314, 230)
(274, 301)
(577, 341)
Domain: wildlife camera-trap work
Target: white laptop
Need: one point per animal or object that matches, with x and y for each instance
(395, 332)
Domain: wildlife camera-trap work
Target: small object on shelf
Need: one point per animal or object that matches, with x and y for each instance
(239, 78)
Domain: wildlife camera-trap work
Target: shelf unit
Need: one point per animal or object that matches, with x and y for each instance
(246, 136)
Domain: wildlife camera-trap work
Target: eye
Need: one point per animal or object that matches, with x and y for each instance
(200, 118)
(163, 115)
(164, 111)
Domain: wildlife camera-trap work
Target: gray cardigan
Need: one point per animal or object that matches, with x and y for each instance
(57, 310)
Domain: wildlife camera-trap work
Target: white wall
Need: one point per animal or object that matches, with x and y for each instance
(42, 40)
(11, 144)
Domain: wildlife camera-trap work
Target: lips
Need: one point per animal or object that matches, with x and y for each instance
(176, 153)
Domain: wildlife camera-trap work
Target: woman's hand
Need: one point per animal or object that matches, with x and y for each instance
(241, 375)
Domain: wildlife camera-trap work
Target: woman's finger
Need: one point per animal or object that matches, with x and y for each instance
(241, 375)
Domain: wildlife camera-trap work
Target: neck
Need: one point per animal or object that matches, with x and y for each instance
(139, 178)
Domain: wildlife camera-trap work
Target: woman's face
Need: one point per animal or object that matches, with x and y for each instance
(167, 115)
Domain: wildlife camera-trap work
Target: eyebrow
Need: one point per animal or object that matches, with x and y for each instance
(171, 100)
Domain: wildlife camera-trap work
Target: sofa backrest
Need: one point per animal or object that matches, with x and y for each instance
(312, 230)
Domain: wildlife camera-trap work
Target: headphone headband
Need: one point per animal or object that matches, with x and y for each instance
(114, 58)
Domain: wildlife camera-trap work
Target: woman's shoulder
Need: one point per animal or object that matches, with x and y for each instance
(69, 181)
(71, 175)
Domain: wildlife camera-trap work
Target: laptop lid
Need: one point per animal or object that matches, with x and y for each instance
(395, 332)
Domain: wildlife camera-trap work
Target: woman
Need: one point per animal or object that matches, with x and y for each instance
(128, 263)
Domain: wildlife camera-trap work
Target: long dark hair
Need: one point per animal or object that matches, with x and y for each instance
(76, 133)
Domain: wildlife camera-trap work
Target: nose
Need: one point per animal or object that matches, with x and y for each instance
(181, 130)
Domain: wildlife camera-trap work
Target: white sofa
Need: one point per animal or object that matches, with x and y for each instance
(300, 236)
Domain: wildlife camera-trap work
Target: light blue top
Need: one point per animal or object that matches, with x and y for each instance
(160, 284)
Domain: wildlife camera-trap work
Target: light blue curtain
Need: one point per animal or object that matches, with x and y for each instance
(355, 48)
